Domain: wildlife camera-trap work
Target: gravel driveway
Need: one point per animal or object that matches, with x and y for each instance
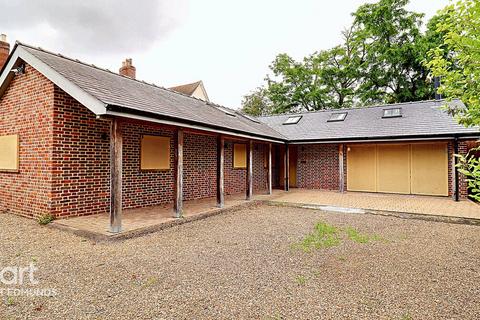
(242, 265)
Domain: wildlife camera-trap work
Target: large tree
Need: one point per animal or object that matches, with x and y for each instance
(257, 103)
(395, 50)
(380, 60)
(325, 79)
(457, 59)
(457, 62)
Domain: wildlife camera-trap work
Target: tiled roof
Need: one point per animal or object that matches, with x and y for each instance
(108, 91)
(115, 90)
(426, 118)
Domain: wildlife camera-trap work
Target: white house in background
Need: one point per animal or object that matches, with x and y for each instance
(195, 89)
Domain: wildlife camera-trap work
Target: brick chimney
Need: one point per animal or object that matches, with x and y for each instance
(4, 49)
(127, 69)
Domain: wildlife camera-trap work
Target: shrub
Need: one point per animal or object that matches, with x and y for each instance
(469, 165)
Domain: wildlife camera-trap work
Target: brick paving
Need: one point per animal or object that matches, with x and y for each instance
(137, 219)
(427, 205)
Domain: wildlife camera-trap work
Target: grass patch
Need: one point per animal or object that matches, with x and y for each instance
(326, 236)
(323, 236)
(45, 219)
(354, 235)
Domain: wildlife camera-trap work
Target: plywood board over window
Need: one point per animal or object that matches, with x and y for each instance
(155, 153)
(9, 155)
(239, 156)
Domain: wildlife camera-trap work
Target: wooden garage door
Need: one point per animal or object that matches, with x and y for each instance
(361, 168)
(398, 168)
(430, 169)
(393, 168)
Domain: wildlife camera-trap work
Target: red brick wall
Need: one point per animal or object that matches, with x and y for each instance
(199, 166)
(27, 109)
(235, 179)
(80, 159)
(142, 188)
(317, 167)
(260, 171)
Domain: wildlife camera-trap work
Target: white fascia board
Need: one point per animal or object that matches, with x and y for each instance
(89, 101)
(7, 75)
(190, 126)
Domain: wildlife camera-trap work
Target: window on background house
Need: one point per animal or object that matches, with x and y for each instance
(155, 153)
(392, 113)
(239, 156)
(9, 157)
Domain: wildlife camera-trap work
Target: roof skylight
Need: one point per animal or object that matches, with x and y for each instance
(337, 116)
(392, 113)
(292, 120)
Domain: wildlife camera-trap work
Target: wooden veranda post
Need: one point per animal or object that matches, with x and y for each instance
(341, 172)
(287, 169)
(249, 170)
(115, 176)
(220, 171)
(178, 204)
(269, 168)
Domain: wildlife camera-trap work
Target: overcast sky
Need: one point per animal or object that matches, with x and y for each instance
(227, 44)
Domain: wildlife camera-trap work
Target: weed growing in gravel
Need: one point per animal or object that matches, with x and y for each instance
(151, 281)
(327, 236)
(45, 219)
(323, 236)
(10, 301)
(406, 316)
(301, 280)
(277, 316)
(354, 235)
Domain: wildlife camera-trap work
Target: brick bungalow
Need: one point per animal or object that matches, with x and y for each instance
(76, 139)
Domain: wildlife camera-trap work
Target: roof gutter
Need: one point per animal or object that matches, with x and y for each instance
(172, 121)
(388, 138)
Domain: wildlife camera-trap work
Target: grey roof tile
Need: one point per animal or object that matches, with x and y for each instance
(426, 118)
(116, 90)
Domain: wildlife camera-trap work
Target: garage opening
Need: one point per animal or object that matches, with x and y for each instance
(417, 168)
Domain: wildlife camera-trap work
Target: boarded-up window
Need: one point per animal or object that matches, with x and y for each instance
(155, 153)
(239, 156)
(9, 153)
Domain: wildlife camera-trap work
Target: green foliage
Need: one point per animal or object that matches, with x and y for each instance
(380, 60)
(256, 103)
(45, 219)
(457, 59)
(301, 280)
(326, 236)
(323, 236)
(10, 301)
(469, 165)
(395, 49)
(325, 79)
(354, 235)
